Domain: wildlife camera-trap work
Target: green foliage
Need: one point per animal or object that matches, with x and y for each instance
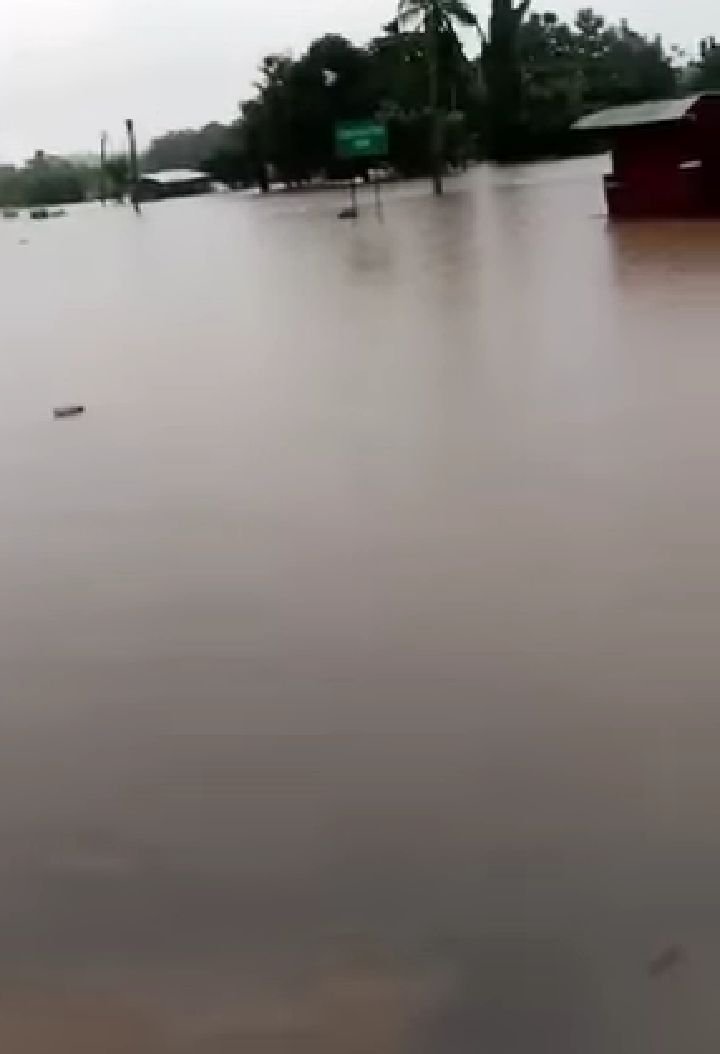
(289, 125)
(502, 68)
(618, 64)
(437, 20)
(541, 74)
(186, 148)
(117, 176)
(398, 68)
(229, 165)
(46, 180)
(705, 74)
(440, 15)
(552, 81)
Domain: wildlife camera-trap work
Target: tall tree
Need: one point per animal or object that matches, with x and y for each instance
(399, 69)
(552, 84)
(618, 64)
(540, 74)
(435, 18)
(289, 125)
(705, 74)
(502, 70)
(184, 148)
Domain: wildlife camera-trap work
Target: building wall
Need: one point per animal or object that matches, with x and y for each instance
(662, 170)
(707, 113)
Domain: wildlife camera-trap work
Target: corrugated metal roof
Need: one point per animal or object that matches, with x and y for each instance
(175, 175)
(636, 114)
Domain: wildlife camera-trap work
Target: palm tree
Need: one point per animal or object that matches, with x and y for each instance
(434, 17)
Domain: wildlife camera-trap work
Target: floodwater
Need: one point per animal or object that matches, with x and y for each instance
(359, 646)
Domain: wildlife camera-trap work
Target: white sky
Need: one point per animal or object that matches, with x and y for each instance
(69, 68)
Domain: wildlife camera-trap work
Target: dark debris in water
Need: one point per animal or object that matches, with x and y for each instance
(670, 956)
(68, 411)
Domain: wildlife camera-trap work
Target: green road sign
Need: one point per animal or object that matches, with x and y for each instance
(361, 139)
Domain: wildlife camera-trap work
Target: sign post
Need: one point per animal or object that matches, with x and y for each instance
(360, 140)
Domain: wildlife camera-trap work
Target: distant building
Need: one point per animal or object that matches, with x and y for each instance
(174, 183)
(666, 156)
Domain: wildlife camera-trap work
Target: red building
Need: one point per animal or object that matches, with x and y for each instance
(666, 156)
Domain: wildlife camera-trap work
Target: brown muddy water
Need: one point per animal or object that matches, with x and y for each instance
(359, 646)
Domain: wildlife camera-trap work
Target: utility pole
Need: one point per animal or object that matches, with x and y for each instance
(436, 128)
(103, 174)
(134, 173)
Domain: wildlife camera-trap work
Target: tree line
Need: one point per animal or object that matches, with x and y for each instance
(529, 76)
(46, 180)
(533, 75)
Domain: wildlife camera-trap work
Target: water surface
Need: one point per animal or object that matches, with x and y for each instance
(359, 666)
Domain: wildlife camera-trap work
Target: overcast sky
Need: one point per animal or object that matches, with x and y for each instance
(69, 68)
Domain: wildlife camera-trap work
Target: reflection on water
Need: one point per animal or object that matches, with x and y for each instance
(358, 646)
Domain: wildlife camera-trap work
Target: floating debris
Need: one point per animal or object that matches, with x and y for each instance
(665, 960)
(68, 411)
(347, 214)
